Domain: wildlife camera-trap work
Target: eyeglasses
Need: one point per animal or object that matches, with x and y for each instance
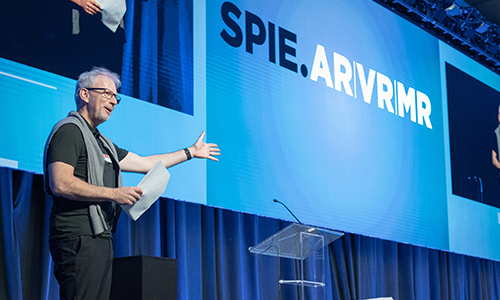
(106, 93)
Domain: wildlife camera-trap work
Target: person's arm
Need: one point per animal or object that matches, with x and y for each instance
(142, 164)
(64, 184)
(89, 6)
(494, 159)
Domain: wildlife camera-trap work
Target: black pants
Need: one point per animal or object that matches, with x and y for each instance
(83, 267)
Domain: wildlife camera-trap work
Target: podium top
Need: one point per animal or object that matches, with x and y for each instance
(295, 241)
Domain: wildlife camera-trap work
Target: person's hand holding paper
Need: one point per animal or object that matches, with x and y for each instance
(152, 185)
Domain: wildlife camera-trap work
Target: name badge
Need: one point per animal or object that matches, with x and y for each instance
(107, 158)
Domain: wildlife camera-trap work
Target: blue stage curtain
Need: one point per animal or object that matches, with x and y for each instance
(158, 53)
(211, 248)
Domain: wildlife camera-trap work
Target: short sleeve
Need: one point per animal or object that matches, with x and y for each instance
(121, 152)
(66, 145)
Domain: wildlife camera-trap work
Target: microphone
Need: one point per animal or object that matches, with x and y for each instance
(288, 211)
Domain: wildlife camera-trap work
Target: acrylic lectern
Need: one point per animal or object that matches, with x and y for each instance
(305, 244)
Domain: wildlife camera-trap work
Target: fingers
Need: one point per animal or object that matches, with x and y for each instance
(206, 150)
(138, 190)
(214, 152)
(91, 7)
(200, 139)
(136, 193)
(129, 195)
(209, 152)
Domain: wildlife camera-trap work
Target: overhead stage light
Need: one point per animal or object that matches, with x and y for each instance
(471, 20)
(453, 10)
(439, 4)
(461, 26)
(493, 34)
(443, 8)
(491, 39)
(483, 27)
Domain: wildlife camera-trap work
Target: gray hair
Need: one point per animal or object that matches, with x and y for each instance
(87, 79)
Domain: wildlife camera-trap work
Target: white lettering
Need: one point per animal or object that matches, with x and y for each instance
(320, 67)
(391, 95)
(342, 78)
(423, 109)
(384, 92)
(366, 85)
(406, 102)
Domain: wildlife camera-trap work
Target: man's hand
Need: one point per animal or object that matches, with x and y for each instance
(204, 150)
(127, 195)
(89, 6)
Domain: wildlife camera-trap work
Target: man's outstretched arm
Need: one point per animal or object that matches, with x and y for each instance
(142, 164)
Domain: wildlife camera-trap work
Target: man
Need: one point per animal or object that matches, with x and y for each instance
(82, 174)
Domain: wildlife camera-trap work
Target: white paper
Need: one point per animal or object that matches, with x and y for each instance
(152, 185)
(112, 12)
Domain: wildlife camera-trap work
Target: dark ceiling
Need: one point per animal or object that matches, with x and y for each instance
(489, 9)
(481, 46)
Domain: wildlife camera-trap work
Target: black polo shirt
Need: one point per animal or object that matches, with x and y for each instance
(70, 218)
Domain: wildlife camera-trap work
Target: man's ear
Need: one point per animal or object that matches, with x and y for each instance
(84, 95)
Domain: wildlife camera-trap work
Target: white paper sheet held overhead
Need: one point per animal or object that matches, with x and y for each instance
(152, 185)
(112, 12)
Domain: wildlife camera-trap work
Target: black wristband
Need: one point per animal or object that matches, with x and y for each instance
(188, 153)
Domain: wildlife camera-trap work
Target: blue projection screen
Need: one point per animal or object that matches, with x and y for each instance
(340, 109)
(341, 122)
